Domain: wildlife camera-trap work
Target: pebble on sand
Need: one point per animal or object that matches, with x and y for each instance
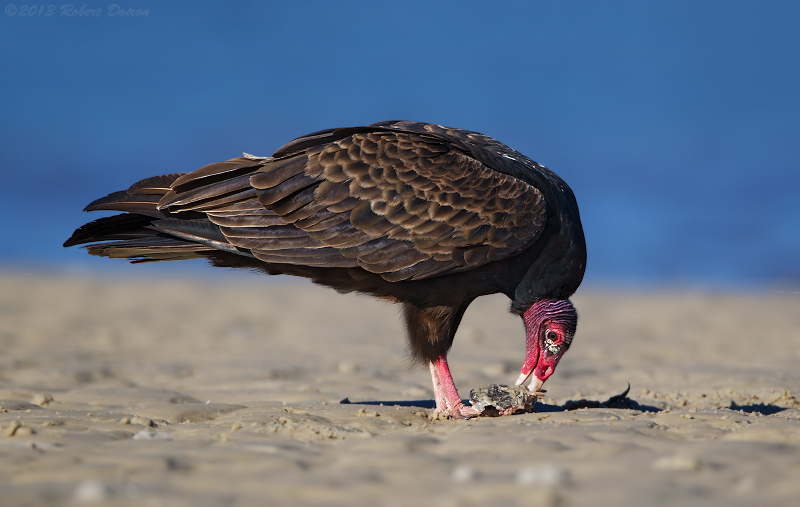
(143, 421)
(348, 367)
(676, 464)
(463, 474)
(42, 399)
(546, 476)
(12, 429)
(91, 491)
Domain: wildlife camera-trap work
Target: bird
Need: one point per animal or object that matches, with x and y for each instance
(422, 215)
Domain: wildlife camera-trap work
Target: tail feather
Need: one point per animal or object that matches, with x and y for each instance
(127, 226)
(146, 234)
(131, 203)
(142, 197)
(214, 173)
(156, 248)
(198, 231)
(159, 185)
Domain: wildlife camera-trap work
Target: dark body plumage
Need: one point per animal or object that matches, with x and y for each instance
(424, 215)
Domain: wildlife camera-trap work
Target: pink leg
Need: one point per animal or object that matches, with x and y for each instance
(438, 391)
(448, 400)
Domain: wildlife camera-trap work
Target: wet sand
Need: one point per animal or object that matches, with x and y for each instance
(175, 392)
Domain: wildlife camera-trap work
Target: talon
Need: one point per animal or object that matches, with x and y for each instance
(465, 411)
(458, 412)
(469, 412)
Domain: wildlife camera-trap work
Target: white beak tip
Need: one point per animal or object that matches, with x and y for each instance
(536, 385)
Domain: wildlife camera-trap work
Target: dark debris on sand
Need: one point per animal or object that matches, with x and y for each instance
(617, 401)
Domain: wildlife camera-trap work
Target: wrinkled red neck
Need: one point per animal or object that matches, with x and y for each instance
(547, 309)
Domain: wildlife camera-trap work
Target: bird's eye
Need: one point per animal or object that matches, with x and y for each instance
(552, 336)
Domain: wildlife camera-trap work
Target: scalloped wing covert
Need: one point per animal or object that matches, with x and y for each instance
(403, 205)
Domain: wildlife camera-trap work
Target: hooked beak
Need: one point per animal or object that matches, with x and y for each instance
(532, 356)
(536, 384)
(538, 367)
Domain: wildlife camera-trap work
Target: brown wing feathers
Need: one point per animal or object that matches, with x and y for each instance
(400, 204)
(419, 202)
(225, 194)
(389, 202)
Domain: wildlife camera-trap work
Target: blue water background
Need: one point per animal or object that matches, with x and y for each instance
(677, 124)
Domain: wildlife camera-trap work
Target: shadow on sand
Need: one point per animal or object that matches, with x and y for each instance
(761, 408)
(618, 401)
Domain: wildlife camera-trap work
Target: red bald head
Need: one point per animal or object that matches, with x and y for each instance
(549, 325)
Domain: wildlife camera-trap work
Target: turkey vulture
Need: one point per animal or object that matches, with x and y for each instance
(423, 215)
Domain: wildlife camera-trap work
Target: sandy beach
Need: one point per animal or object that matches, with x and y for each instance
(172, 392)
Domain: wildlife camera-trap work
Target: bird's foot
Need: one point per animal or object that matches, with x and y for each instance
(460, 411)
(448, 403)
(465, 412)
